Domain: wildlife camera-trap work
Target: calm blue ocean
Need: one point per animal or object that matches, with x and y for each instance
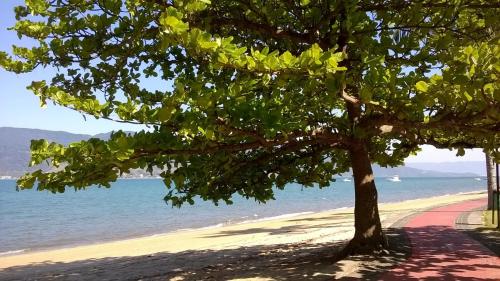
(32, 220)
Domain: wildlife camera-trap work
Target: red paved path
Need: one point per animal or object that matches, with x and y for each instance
(439, 252)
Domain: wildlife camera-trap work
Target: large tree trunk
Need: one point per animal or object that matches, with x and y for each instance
(368, 236)
(491, 179)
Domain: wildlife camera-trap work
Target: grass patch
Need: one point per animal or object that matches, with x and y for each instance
(488, 223)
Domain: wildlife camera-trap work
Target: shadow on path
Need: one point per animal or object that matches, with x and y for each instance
(441, 252)
(451, 258)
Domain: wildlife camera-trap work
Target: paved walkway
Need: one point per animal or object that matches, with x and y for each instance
(440, 252)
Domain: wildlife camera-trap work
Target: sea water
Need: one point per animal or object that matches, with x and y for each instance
(33, 220)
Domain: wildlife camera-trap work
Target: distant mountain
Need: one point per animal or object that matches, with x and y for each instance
(405, 171)
(15, 147)
(104, 136)
(475, 167)
(15, 143)
(15, 155)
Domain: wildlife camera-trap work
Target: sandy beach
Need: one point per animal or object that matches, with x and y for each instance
(174, 256)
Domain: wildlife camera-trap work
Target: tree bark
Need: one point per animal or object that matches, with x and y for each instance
(368, 236)
(491, 179)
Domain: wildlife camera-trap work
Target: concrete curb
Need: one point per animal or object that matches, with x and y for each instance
(470, 222)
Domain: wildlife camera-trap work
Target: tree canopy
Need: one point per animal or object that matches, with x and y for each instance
(244, 96)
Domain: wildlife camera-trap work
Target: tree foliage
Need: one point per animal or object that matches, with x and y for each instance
(242, 96)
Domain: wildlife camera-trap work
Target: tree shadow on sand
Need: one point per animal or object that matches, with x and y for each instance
(289, 229)
(300, 261)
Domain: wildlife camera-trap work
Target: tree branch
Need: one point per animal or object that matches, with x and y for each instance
(397, 5)
(264, 29)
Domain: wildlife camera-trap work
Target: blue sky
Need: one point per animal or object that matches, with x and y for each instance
(20, 108)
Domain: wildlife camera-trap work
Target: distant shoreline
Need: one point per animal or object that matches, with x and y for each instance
(337, 178)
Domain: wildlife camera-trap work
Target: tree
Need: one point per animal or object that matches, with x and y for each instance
(491, 180)
(256, 94)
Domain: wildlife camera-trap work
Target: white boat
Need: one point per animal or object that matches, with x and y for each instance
(394, 178)
(346, 179)
(478, 179)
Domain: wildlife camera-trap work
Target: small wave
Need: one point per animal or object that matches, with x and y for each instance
(472, 192)
(335, 209)
(276, 217)
(232, 222)
(13, 252)
(196, 228)
(213, 226)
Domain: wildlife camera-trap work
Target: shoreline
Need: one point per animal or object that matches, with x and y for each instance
(255, 219)
(309, 228)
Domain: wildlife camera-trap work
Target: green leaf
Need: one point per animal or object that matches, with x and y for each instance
(165, 113)
(489, 88)
(467, 96)
(304, 2)
(422, 86)
(26, 182)
(287, 58)
(366, 94)
(174, 23)
(222, 58)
